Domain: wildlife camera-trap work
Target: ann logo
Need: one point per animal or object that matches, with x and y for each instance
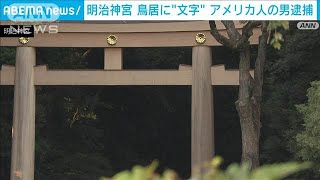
(307, 25)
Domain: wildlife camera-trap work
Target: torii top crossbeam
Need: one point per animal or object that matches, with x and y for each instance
(166, 34)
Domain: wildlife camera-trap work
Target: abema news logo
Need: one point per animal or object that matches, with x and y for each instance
(44, 11)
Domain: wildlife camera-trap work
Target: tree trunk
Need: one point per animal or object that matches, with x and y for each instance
(250, 90)
(250, 98)
(250, 130)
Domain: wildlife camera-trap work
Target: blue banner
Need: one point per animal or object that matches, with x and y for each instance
(318, 9)
(99, 10)
(41, 10)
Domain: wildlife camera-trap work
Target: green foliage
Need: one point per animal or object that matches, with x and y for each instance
(288, 74)
(143, 173)
(212, 171)
(80, 106)
(58, 58)
(277, 36)
(308, 146)
(278, 24)
(278, 171)
(7, 55)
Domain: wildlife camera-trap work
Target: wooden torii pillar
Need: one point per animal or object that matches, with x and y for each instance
(23, 130)
(201, 76)
(202, 131)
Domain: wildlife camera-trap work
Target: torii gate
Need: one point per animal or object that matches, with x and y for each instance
(113, 37)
